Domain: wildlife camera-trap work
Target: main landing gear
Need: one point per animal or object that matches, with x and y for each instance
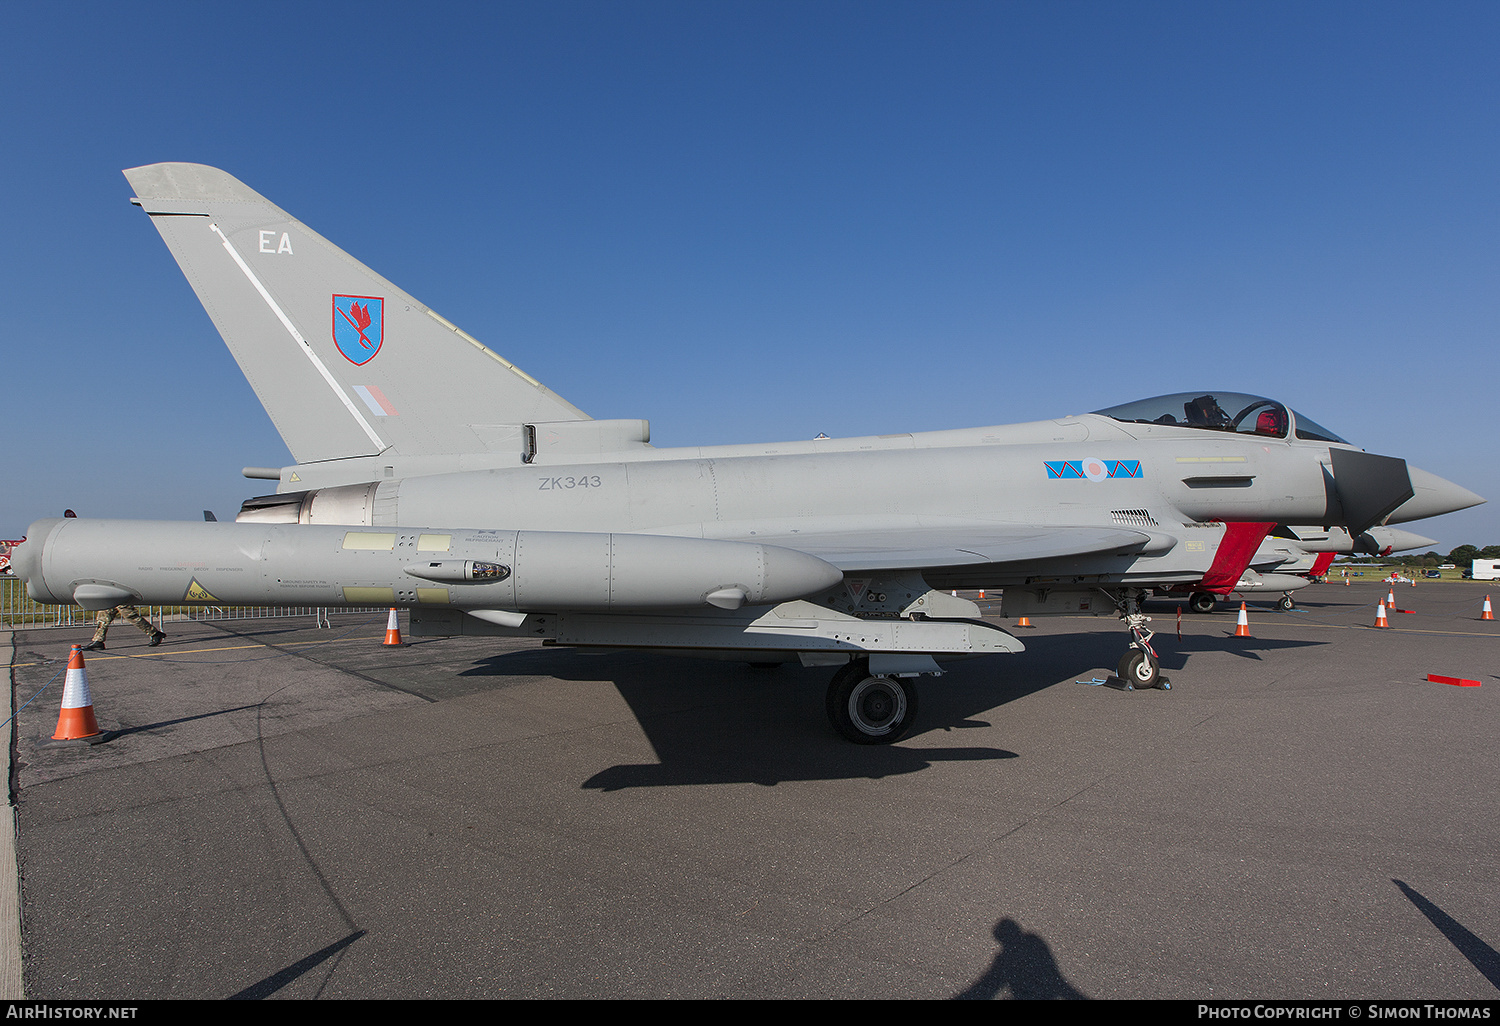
(871, 708)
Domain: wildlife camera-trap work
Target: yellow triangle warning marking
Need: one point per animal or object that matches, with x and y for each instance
(197, 593)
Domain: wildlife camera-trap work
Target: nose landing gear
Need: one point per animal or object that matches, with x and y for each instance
(1139, 666)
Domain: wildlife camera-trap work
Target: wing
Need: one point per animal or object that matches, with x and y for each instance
(968, 544)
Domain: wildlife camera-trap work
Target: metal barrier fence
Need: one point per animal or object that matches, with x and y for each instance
(18, 610)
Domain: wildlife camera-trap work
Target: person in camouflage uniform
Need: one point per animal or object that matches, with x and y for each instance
(130, 613)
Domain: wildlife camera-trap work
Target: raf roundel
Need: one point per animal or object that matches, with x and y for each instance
(1095, 470)
(358, 327)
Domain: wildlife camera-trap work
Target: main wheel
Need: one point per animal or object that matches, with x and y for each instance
(1139, 669)
(1202, 602)
(1286, 604)
(871, 709)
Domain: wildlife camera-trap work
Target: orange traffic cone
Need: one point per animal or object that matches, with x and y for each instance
(1390, 598)
(1380, 620)
(393, 629)
(76, 721)
(1025, 621)
(1488, 614)
(981, 593)
(1242, 628)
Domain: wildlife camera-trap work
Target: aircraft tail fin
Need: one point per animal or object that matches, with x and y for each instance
(345, 363)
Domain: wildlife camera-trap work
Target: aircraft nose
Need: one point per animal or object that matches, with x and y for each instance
(1434, 497)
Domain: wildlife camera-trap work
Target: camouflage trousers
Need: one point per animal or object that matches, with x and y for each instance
(130, 613)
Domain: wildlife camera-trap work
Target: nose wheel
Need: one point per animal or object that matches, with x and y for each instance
(1141, 670)
(1139, 667)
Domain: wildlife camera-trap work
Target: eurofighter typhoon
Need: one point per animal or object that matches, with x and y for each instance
(433, 474)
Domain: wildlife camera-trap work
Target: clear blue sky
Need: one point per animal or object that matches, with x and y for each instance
(763, 220)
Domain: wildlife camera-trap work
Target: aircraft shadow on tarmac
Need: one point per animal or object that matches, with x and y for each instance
(1058, 656)
(715, 722)
(1023, 969)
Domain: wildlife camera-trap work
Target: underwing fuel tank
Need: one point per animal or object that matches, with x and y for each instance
(103, 563)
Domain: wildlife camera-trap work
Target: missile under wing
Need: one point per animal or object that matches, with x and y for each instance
(435, 474)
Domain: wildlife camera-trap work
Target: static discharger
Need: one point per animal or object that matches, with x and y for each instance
(76, 723)
(1460, 682)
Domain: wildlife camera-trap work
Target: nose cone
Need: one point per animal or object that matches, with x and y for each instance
(1434, 497)
(1393, 539)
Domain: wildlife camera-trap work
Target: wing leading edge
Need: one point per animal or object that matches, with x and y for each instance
(918, 548)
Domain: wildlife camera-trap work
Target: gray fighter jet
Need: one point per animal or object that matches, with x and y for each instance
(436, 475)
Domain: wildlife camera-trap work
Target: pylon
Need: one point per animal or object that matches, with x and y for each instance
(76, 721)
(1390, 597)
(1380, 620)
(1488, 614)
(1242, 628)
(393, 629)
(981, 593)
(1024, 621)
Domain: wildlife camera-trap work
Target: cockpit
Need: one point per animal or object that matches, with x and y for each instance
(1223, 411)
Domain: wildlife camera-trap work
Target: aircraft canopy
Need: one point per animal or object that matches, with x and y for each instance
(1223, 411)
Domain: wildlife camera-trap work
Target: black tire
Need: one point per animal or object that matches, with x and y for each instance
(1285, 604)
(871, 709)
(1139, 669)
(1202, 602)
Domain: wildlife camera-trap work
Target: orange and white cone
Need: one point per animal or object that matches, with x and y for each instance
(76, 721)
(1380, 620)
(1242, 627)
(392, 629)
(1488, 614)
(1390, 598)
(1025, 621)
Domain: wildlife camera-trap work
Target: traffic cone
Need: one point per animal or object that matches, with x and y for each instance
(981, 593)
(1390, 597)
(1025, 621)
(1488, 614)
(76, 721)
(393, 629)
(1242, 628)
(1380, 620)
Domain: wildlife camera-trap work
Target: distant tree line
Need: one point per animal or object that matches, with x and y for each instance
(1460, 557)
